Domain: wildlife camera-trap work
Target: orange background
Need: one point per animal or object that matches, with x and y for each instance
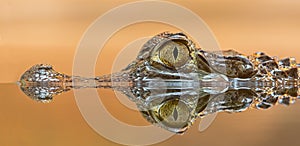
(48, 31)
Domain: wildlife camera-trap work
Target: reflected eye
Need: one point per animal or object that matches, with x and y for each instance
(174, 54)
(174, 113)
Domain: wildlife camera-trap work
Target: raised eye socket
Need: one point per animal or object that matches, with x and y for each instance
(174, 54)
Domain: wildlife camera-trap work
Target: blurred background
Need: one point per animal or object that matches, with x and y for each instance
(48, 31)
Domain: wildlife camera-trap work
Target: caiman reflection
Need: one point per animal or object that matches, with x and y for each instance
(173, 83)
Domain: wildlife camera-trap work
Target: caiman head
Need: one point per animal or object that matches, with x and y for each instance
(173, 81)
(174, 56)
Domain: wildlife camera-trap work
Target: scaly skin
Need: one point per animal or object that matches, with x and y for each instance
(173, 82)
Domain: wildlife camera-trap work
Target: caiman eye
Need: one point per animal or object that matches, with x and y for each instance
(174, 54)
(174, 113)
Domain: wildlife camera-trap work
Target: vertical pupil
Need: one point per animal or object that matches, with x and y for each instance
(175, 114)
(175, 52)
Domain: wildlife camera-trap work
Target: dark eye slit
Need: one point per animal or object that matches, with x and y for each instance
(175, 114)
(175, 52)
